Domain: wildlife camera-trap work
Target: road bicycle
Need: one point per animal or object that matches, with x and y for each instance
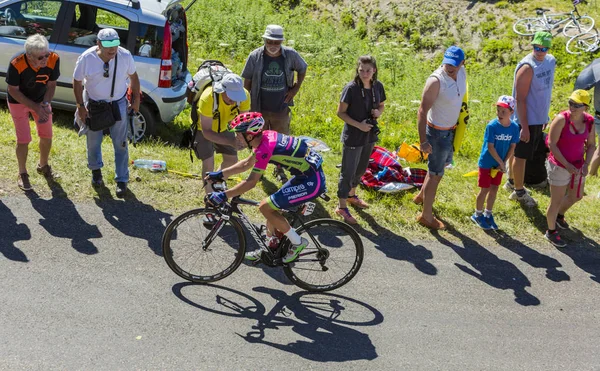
(574, 23)
(587, 42)
(208, 244)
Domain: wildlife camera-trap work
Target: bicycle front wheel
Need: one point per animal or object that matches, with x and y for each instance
(578, 26)
(528, 26)
(332, 258)
(582, 43)
(203, 249)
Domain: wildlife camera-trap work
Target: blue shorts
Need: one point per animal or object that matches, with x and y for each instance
(442, 148)
(298, 190)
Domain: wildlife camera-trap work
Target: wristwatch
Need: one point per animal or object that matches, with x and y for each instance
(78, 105)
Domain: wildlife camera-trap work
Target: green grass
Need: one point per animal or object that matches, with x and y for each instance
(331, 36)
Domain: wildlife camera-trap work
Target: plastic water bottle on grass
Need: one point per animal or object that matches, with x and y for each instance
(152, 165)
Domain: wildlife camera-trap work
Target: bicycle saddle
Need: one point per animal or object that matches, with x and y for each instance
(541, 10)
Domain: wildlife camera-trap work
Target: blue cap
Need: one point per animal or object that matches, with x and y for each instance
(453, 56)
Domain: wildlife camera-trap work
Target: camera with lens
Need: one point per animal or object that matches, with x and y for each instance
(375, 128)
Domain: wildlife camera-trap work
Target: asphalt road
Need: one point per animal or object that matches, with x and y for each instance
(84, 286)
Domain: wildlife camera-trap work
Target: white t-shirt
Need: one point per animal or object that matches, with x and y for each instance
(90, 70)
(446, 108)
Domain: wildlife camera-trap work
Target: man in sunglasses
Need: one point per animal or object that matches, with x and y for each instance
(269, 77)
(31, 80)
(94, 78)
(534, 78)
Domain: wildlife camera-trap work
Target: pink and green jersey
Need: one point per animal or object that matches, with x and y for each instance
(280, 149)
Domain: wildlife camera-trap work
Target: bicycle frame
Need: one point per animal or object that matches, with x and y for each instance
(273, 258)
(550, 24)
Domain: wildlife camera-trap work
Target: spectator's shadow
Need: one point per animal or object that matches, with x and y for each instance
(395, 246)
(133, 217)
(585, 253)
(12, 231)
(61, 219)
(490, 269)
(531, 256)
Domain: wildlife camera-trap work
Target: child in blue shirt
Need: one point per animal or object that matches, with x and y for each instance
(499, 142)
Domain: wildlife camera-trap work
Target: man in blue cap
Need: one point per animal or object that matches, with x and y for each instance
(437, 118)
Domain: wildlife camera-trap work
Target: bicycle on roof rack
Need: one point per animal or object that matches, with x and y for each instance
(208, 244)
(587, 42)
(574, 23)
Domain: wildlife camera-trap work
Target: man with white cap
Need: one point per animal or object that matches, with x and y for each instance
(269, 76)
(104, 73)
(212, 135)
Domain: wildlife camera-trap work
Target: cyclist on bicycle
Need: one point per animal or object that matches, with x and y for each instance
(293, 154)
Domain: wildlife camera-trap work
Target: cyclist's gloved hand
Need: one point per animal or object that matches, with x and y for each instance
(215, 175)
(217, 198)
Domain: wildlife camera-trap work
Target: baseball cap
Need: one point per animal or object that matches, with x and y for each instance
(506, 101)
(108, 37)
(453, 56)
(231, 84)
(581, 96)
(273, 32)
(542, 38)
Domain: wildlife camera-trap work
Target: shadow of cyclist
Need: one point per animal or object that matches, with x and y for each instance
(61, 219)
(490, 269)
(134, 218)
(395, 246)
(322, 322)
(12, 231)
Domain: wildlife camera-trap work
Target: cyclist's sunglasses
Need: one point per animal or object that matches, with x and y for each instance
(106, 69)
(42, 57)
(575, 105)
(541, 49)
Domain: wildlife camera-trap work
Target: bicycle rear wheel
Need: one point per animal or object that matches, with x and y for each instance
(202, 251)
(528, 26)
(582, 25)
(582, 43)
(334, 263)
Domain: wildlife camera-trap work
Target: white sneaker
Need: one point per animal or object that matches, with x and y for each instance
(294, 250)
(525, 200)
(508, 187)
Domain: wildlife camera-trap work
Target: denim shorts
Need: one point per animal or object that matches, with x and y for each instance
(442, 147)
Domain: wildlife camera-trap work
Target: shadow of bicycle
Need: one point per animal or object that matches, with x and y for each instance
(322, 318)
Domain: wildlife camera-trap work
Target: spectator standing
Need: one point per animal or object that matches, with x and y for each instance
(534, 77)
(93, 80)
(31, 80)
(572, 141)
(499, 141)
(269, 76)
(212, 135)
(360, 106)
(437, 118)
(587, 79)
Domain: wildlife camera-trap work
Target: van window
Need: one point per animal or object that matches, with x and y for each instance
(149, 41)
(88, 21)
(27, 18)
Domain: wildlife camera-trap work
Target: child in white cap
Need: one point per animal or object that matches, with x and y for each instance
(499, 142)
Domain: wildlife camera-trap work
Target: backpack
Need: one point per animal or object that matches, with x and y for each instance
(209, 72)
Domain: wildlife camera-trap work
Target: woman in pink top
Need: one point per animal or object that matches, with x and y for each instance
(572, 141)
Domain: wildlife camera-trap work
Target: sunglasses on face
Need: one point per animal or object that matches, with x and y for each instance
(106, 69)
(576, 105)
(541, 48)
(273, 42)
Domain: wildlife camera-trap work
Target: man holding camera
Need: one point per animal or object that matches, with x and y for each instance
(437, 118)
